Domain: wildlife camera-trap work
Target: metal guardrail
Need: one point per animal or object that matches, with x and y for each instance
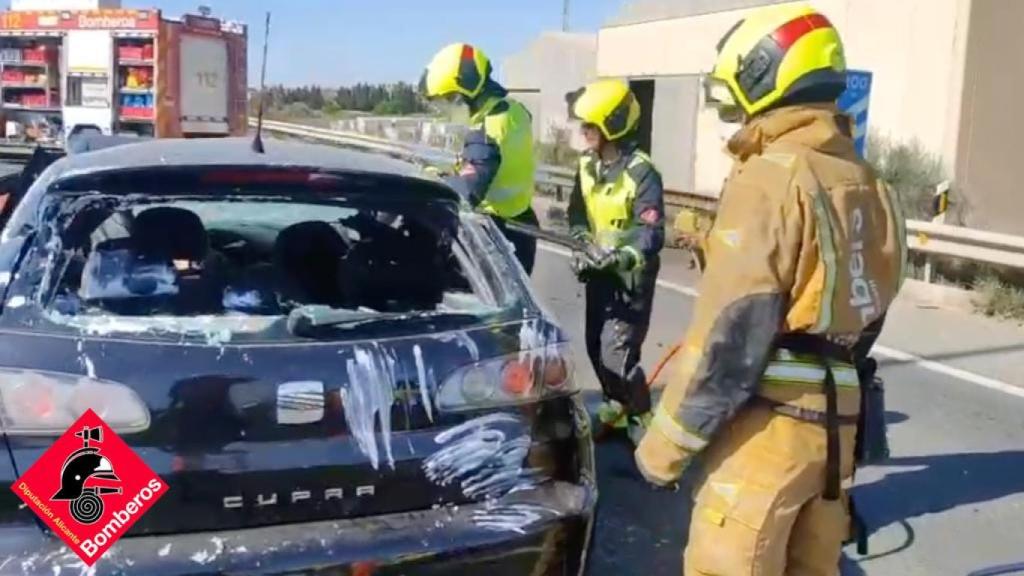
(966, 244)
(548, 175)
(956, 242)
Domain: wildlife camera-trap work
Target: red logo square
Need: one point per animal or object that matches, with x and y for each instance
(89, 487)
(650, 216)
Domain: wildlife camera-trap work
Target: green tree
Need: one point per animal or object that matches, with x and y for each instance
(912, 172)
(397, 98)
(344, 98)
(388, 108)
(361, 97)
(316, 99)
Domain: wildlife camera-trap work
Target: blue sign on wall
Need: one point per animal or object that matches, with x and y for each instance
(855, 103)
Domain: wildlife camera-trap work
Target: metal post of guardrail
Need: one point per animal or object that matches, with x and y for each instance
(940, 204)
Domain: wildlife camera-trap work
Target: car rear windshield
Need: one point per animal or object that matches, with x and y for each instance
(240, 267)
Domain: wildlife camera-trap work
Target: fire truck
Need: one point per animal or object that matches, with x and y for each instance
(70, 66)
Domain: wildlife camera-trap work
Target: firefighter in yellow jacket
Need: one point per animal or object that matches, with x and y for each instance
(617, 205)
(497, 164)
(805, 256)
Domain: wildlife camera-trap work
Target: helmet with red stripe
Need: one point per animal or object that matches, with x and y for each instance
(778, 55)
(457, 69)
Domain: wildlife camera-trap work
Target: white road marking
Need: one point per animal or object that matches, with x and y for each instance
(899, 355)
(964, 375)
(554, 249)
(685, 290)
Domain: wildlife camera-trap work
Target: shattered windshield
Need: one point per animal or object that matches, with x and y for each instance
(221, 267)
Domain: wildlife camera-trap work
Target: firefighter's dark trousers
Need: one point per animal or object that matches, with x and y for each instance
(525, 245)
(618, 316)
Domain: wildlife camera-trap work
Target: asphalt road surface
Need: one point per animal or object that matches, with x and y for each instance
(950, 501)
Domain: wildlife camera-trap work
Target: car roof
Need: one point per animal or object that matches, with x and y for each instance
(234, 152)
(90, 142)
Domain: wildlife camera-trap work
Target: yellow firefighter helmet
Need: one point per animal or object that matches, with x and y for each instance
(608, 104)
(457, 69)
(776, 54)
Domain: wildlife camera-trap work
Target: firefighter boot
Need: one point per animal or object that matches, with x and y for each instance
(611, 418)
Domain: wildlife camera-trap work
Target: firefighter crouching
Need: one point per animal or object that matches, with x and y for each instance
(617, 205)
(805, 256)
(497, 164)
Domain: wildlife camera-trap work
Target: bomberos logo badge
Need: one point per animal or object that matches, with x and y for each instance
(89, 487)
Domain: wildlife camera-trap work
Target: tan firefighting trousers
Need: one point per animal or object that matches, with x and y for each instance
(759, 510)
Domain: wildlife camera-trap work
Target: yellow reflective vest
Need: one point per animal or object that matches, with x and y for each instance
(624, 206)
(509, 124)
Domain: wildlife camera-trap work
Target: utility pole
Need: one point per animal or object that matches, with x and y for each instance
(565, 15)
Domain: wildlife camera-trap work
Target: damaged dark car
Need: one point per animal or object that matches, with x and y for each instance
(334, 365)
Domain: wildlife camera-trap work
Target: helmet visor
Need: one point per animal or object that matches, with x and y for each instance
(451, 97)
(719, 97)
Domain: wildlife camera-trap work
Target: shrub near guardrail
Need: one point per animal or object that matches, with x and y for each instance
(999, 299)
(913, 173)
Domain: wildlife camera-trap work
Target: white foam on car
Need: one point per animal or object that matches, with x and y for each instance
(214, 330)
(510, 517)
(367, 398)
(463, 340)
(480, 458)
(421, 379)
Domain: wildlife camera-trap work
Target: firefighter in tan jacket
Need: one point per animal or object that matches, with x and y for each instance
(806, 254)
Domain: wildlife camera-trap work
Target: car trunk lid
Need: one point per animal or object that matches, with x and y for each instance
(255, 435)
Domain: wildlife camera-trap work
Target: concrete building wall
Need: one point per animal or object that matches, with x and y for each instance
(678, 46)
(676, 99)
(642, 11)
(553, 64)
(915, 48)
(989, 169)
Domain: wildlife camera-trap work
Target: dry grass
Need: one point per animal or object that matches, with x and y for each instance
(999, 299)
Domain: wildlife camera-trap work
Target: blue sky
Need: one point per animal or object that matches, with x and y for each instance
(334, 42)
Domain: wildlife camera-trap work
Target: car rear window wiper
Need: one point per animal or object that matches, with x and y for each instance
(312, 320)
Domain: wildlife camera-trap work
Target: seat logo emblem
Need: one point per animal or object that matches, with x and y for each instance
(300, 402)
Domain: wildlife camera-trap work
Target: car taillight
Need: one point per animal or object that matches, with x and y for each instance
(38, 403)
(518, 378)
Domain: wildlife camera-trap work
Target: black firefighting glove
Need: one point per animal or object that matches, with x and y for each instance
(582, 266)
(586, 266)
(617, 259)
